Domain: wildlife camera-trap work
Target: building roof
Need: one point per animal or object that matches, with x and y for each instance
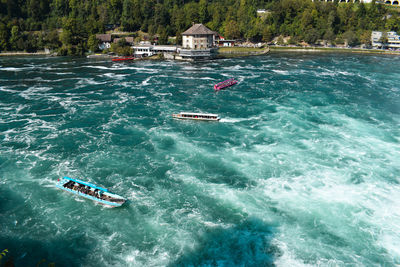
(129, 40)
(198, 29)
(104, 37)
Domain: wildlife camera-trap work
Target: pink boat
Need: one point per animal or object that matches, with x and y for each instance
(225, 84)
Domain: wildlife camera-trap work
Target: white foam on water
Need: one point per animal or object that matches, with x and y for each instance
(152, 258)
(234, 120)
(148, 70)
(346, 73)
(89, 81)
(99, 67)
(330, 189)
(6, 89)
(12, 69)
(282, 72)
(64, 73)
(114, 76)
(287, 258)
(146, 81)
(35, 91)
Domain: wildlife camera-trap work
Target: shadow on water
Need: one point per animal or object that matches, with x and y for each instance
(67, 249)
(244, 244)
(28, 252)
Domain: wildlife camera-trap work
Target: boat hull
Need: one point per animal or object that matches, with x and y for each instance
(123, 59)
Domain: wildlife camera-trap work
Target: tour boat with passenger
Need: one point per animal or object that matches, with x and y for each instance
(196, 116)
(90, 191)
(225, 84)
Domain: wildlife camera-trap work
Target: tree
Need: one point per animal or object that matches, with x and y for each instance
(76, 21)
(3, 37)
(163, 35)
(311, 36)
(121, 48)
(15, 38)
(66, 37)
(93, 43)
(267, 34)
(232, 30)
(329, 35)
(203, 13)
(393, 24)
(365, 38)
(126, 19)
(280, 40)
(52, 39)
(351, 38)
(384, 39)
(31, 44)
(191, 13)
(178, 38)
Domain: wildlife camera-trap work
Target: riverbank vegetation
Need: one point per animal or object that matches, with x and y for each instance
(69, 26)
(331, 50)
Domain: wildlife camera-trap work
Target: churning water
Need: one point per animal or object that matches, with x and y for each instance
(302, 170)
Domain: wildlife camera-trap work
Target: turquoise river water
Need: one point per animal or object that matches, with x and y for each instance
(302, 170)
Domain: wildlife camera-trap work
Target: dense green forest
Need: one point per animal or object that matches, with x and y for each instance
(69, 26)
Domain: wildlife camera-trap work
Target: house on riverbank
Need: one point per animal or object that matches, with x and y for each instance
(104, 41)
(198, 42)
(198, 37)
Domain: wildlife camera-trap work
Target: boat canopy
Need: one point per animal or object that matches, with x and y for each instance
(86, 183)
(198, 114)
(229, 81)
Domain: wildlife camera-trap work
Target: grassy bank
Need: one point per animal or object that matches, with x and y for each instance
(241, 51)
(332, 49)
(39, 53)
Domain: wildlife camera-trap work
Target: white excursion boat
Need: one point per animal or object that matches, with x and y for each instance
(196, 116)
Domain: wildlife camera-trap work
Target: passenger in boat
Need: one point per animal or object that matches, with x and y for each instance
(75, 187)
(67, 184)
(105, 197)
(81, 188)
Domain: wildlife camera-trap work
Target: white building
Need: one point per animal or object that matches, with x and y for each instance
(150, 50)
(198, 37)
(393, 39)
